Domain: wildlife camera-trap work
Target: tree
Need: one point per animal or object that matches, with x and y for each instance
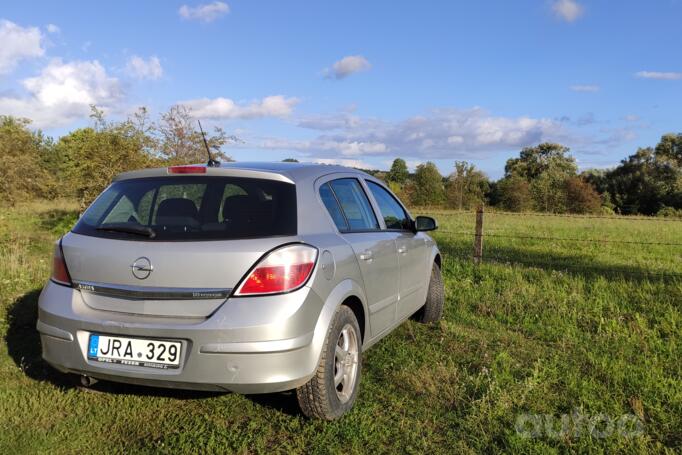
(90, 159)
(596, 178)
(181, 142)
(289, 160)
(87, 159)
(547, 192)
(645, 182)
(581, 197)
(670, 148)
(533, 161)
(25, 157)
(398, 172)
(428, 185)
(514, 194)
(545, 167)
(466, 186)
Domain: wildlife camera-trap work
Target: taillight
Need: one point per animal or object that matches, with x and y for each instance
(60, 274)
(282, 270)
(187, 170)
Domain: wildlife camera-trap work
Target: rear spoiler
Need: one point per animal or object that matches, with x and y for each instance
(210, 171)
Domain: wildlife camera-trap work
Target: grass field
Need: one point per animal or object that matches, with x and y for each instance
(546, 328)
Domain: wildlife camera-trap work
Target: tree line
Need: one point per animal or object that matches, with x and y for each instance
(542, 178)
(545, 178)
(82, 163)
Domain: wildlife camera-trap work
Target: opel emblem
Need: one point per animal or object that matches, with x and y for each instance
(142, 268)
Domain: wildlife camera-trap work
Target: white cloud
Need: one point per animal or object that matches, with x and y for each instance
(140, 68)
(329, 122)
(615, 136)
(347, 66)
(349, 147)
(63, 92)
(659, 75)
(51, 28)
(328, 147)
(79, 82)
(585, 88)
(568, 10)
(207, 12)
(18, 43)
(443, 133)
(225, 108)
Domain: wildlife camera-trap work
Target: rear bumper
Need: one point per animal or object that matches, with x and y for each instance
(249, 345)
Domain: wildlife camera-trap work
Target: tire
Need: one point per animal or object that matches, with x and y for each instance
(327, 398)
(432, 311)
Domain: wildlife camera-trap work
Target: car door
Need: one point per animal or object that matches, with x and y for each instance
(374, 248)
(411, 248)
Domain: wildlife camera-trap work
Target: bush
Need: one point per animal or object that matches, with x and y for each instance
(89, 159)
(23, 174)
(670, 212)
(514, 194)
(581, 197)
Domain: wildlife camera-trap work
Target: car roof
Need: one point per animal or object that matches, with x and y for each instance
(295, 170)
(284, 171)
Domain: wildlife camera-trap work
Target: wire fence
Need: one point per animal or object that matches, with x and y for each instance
(563, 239)
(556, 215)
(562, 263)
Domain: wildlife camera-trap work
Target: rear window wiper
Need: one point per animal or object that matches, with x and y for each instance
(128, 228)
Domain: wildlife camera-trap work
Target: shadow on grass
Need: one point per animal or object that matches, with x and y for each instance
(284, 402)
(23, 346)
(577, 265)
(23, 342)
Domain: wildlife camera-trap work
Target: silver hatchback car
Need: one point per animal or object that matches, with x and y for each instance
(245, 277)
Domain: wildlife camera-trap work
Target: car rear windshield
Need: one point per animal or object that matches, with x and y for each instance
(192, 208)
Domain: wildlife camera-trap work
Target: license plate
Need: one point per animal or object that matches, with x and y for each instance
(134, 351)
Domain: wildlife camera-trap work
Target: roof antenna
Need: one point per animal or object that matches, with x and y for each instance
(211, 161)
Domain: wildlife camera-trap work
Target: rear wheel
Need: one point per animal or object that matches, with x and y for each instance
(332, 390)
(432, 310)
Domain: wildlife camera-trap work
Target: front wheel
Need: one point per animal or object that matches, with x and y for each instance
(332, 390)
(432, 310)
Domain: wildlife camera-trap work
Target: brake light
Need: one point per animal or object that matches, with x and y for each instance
(283, 270)
(60, 274)
(187, 170)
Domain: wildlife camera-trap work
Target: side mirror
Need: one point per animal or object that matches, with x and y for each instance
(425, 223)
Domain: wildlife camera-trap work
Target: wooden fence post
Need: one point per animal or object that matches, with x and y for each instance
(478, 237)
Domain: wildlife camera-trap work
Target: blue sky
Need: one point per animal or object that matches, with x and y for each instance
(360, 82)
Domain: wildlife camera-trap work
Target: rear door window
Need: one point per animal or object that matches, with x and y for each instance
(354, 204)
(332, 205)
(192, 208)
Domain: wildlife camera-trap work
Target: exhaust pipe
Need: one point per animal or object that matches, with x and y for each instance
(87, 381)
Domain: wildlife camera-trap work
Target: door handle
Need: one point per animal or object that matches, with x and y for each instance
(402, 249)
(366, 255)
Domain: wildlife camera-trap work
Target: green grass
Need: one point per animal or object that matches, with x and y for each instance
(542, 327)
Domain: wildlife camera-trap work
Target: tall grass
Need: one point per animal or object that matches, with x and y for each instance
(546, 328)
